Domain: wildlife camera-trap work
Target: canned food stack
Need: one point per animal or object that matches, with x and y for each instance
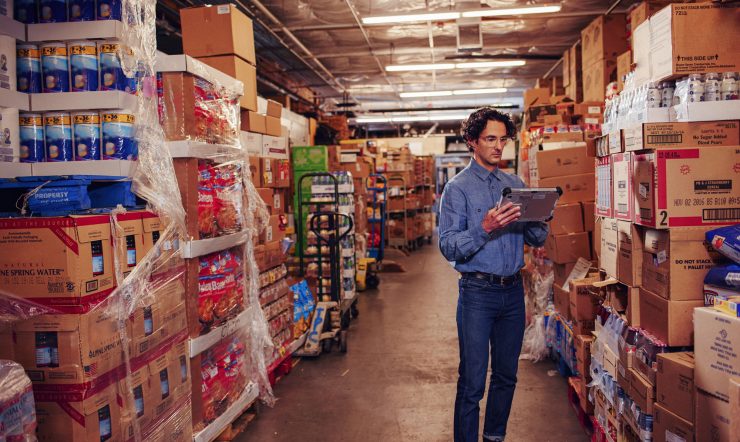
(76, 66)
(61, 11)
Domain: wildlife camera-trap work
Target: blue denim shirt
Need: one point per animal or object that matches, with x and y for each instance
(466, 199)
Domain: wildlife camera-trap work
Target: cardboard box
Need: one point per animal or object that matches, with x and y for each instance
(360, 169)
(641, 391)
(596, 239)
(129, 241)
(629, 254)
(268, 167)
(573, 84)
(676, 51)
(562, 271)
(275, 147)
(667, 320)
(217, 30)
(275, 230)
(59, 261)
(735, 406)
(633, 306)
(675, 262)
(643, 11)
(183, 116)
(689, 187)
(682, 134)
(589, 215)
(624, 202)
(567, 218)
(253, 122)
(159, 321)
(575, 188)
(153, 228)
(596, 77)
(675, 383)
(69, 348)
(274, 109)
(604, 189)
(604, 38)
(536, 96)
(717, 351)
(583, 347)
(283, 174)
(668, 427)
(242, 71)
(272, 126)
(705, 111)
(568, 248)
(561, 301)
(562, 137)
(280, 202)
(584, 302)
(624, 67)
(560, 162)
(97, 417)
(712, 418)
(609, 247)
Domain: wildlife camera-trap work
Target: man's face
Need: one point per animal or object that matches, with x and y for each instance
(490, 144)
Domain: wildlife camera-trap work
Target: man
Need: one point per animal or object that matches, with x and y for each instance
(486, 244)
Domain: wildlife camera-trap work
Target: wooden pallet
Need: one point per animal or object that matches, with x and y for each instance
(239, 425)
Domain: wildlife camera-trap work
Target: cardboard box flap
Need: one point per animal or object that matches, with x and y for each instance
(93, 232)
(129, 224)
(152, 223)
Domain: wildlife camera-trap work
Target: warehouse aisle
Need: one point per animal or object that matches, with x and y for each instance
(397, 382)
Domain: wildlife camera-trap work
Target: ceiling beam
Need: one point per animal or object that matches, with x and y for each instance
(346, 26)
(438, 50)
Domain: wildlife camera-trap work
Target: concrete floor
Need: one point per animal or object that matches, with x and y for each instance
(397, 381)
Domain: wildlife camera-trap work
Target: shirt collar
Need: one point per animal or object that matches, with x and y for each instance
(481, 171)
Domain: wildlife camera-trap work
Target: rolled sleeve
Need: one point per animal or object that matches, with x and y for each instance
(457, 240)
(535, 233)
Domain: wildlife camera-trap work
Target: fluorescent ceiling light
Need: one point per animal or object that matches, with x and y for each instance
(494, 90)
(410, 18)
(490, 64)
(451, 15)
(497, 12)
(409, 118)
(497, 90)
(446, 66)
(420, 67)
(373, 120)
(450, 117)
(425, 94)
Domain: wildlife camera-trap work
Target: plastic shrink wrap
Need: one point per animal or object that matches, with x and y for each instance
(145, 324)
(17, 412)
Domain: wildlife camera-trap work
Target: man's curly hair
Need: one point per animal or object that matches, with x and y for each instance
(478, 120)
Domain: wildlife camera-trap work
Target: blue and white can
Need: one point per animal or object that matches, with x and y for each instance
(53, 11)
(83, 65)
(109, 9)
(27, 11)
(119, 135)
(55, 67)
(86, 131)
(58, 135)
(81, 10)
(112, 77)
(28, 67)
(31, 137)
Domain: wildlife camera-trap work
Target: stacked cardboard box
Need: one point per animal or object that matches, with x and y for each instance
(601, 42)
(573, 73)
(571, 169)
(222, 37)
(70, 271)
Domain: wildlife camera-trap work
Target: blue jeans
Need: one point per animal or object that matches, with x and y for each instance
(487, 314)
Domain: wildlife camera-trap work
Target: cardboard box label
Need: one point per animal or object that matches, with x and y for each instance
(622, 179)
(676, 50)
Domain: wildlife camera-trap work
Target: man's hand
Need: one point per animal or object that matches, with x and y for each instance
(500, 217)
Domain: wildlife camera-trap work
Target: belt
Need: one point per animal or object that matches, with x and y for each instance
(493, 279)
